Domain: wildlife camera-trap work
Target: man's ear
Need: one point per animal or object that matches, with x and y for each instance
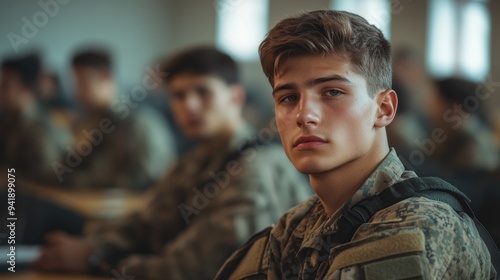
(238, 95)
(387, 102)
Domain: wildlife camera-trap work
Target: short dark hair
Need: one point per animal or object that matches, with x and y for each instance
(28, 68)
(202, 60)
(330, 32)
(96, 59)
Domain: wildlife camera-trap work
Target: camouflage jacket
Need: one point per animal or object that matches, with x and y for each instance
(117, 151)
(417, 238)
(31, 143)
(212, 200)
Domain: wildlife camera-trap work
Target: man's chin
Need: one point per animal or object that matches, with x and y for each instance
(309, 169)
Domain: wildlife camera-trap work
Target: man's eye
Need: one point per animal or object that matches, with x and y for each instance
(333, 92)
(289, 98)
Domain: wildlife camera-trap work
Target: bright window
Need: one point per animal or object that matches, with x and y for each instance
(475, 41)
(241, 27)
(459, 39)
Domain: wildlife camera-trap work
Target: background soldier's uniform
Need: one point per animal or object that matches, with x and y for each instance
(194, 222)
(30, 144)
(417, 238)
(133, 155)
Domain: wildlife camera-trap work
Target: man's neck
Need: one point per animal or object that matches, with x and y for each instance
(336, 186)
(223, 136)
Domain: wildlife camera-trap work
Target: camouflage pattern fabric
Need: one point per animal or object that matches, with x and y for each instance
(417, 238)
(30, 144)
(129, 152)
(203, 210)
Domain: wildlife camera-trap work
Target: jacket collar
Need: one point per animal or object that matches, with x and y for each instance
(388, 172)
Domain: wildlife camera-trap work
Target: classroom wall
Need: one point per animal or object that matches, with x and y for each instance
(136, 31)
(140, 31)
(409, 25)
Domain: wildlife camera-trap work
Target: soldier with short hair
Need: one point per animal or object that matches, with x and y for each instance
(331, 78)
(232, 184)
(31, 139)
(118, 142)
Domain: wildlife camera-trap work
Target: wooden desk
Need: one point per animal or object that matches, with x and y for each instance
(34, 275)
(93, 204)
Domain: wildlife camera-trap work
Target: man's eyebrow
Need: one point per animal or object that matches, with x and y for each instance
(335, 78)
(314, 82)
(284, 87)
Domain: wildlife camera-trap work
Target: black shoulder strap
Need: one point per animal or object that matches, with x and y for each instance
(430, 187)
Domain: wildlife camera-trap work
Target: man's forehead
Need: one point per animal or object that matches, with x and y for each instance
(194, 77)
(185, 81)
(87, 72)
(310, 65)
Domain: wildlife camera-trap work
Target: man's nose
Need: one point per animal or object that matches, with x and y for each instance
(308, 113)
(193, 103)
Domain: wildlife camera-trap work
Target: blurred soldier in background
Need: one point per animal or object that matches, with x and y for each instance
(116, 144)
(232, 184)
(457, 110)
(30, 141)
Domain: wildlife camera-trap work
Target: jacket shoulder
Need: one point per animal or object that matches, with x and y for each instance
(247, 261)
(453, 245)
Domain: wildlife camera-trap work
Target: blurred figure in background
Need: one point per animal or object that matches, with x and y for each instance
(465, 154)
(158, 100)
(59, 107)
(436, 135)
(214, 198)
(114, 146)
(51, 95)
(411, 83)
(470, 143)
(30, 141)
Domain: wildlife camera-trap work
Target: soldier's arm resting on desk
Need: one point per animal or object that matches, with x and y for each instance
(113, 240)
(64, 253)
(141, 232)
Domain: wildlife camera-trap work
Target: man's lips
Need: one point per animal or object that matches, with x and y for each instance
(308, 142)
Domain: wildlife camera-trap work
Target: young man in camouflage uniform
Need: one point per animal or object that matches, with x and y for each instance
(331, 78)
(212, 200)
(118, 142)
(31, 140)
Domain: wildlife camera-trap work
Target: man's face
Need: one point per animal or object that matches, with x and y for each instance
(324, 113)
(93, 88)
(202, 105)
